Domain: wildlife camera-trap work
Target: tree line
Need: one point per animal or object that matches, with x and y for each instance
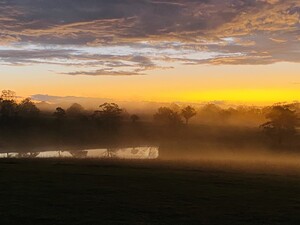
(280, 123)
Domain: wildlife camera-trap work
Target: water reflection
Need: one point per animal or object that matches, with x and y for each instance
(121, 153)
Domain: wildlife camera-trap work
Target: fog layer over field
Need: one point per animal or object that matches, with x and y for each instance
(246, 135)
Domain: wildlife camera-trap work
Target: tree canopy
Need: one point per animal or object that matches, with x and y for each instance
(167, 116)
(188, 112)
(282, 122)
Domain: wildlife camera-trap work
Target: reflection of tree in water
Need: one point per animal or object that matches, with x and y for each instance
(27, 154)
(79, 154)
(8, 155)
(134, 151)
(110, 152)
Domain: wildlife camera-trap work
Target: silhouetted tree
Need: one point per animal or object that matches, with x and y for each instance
(282, 123)
(210, 113)
(175, 107)
(167, 116)
(59, 113)
(75, 110)
(109, 114)
(188, 112)
(8, 104)
(27, 108)
(8, 108)
(8, 95)
(134, 118)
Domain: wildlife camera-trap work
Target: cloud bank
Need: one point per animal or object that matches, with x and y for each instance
(131, 37)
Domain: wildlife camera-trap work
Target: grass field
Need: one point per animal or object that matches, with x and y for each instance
(89, 192)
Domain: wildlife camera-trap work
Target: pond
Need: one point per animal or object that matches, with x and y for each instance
(120, 153)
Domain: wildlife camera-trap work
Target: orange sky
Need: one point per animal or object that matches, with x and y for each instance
(244, 83)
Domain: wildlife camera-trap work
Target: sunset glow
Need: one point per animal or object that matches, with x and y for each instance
(171, 112)
(235, 51)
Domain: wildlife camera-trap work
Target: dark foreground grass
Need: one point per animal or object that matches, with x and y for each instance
(94, 192)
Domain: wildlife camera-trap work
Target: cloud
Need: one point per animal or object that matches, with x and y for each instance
(139, 35)
(104, 72)
(101, 61)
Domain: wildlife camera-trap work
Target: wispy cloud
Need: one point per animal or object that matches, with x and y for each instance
(133, 35)
(104, 72)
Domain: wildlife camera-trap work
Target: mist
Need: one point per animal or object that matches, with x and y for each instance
(205, 132)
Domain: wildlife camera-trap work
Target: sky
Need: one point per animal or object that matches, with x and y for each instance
(152, 50)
